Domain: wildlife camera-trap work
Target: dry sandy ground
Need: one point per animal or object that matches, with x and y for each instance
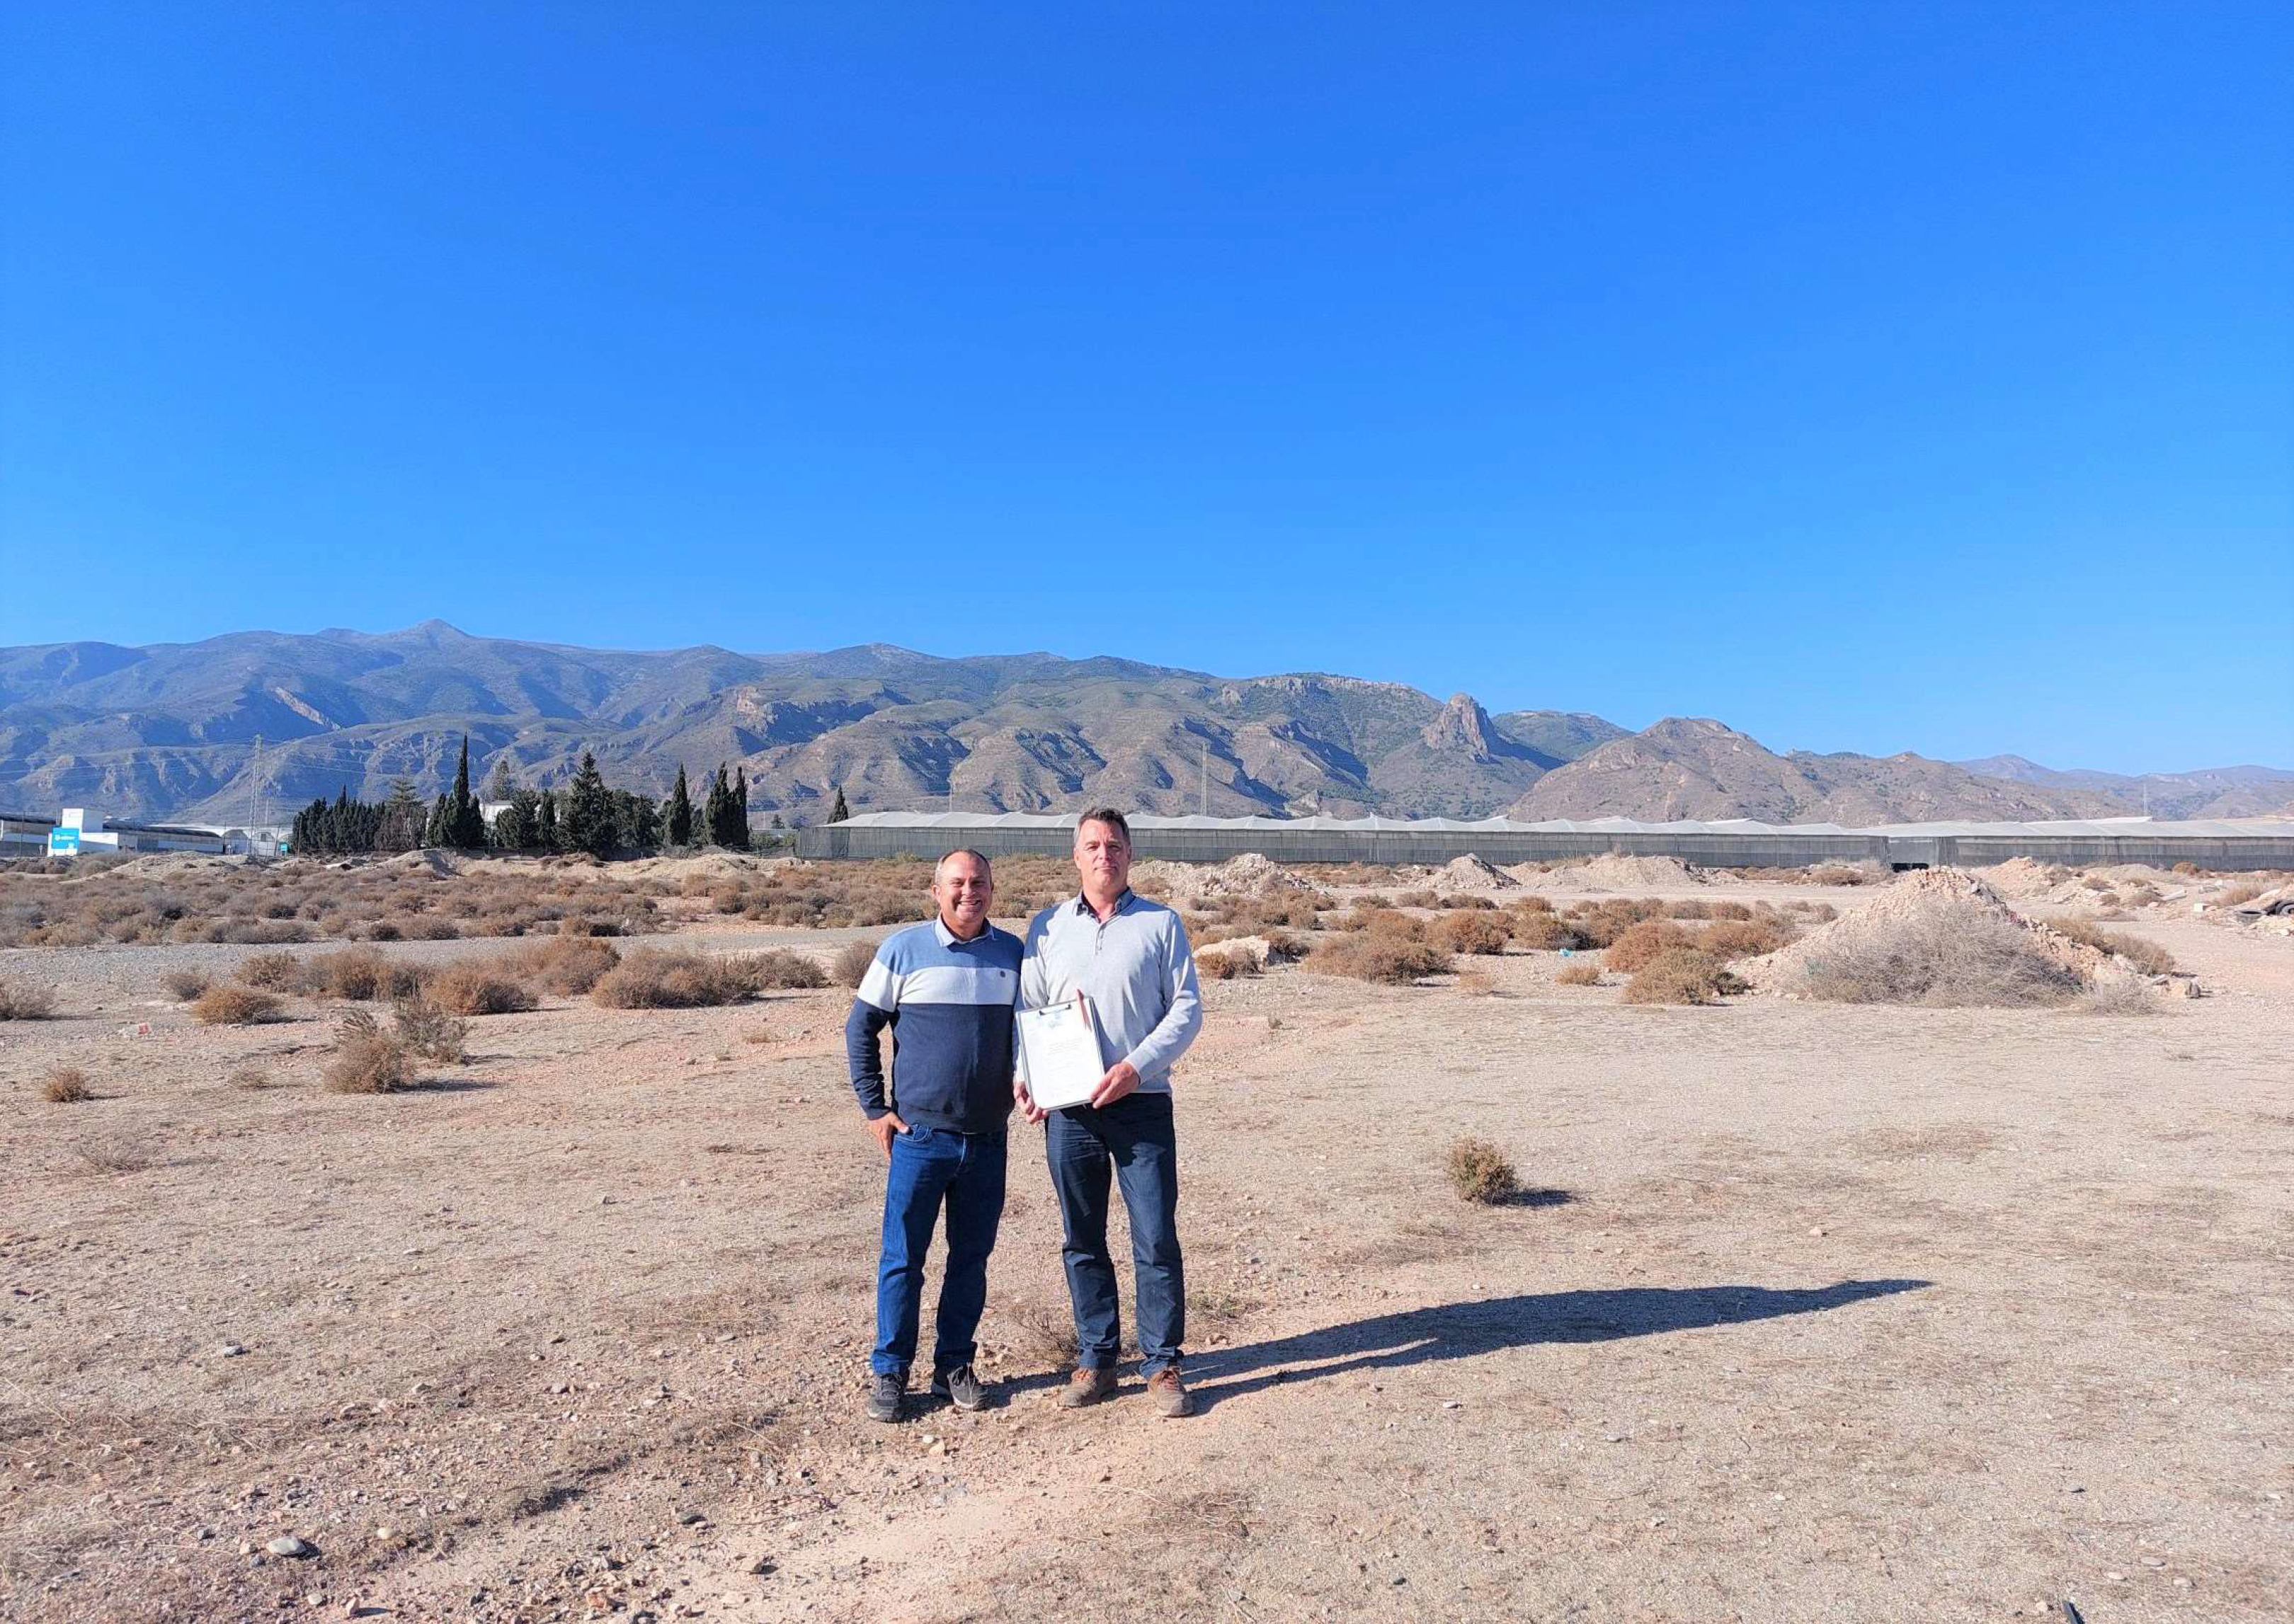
(1820, 1313)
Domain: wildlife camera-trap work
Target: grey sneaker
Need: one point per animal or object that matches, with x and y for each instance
(960, 1387)
(1086, 1386)
(887, 1396)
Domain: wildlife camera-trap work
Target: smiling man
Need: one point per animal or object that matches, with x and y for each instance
(1130, 959)
(946, 990)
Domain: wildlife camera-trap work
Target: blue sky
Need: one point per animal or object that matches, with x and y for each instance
(1869, 377)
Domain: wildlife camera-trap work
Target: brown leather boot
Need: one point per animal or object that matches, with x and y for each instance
(1171, 1396)
(1086, 1386)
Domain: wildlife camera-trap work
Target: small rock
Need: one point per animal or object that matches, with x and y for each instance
(1818, 1231)
(2181, 1584)
(230, 1350)
(206, 1534)
(2154, 1562)
(287, 1545)
(691, 1517)
(1453, 1404)
(2116, 1579)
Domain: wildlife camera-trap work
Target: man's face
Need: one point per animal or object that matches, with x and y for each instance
(1103, 858)
(962, 890)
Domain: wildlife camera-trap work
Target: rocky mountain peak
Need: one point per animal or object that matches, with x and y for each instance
(1463, 728)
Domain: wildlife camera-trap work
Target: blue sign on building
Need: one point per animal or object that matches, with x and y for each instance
(63, 843)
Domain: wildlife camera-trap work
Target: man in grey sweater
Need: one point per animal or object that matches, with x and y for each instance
(1130, 961)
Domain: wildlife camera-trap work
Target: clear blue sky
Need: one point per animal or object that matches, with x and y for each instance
(1870, 377)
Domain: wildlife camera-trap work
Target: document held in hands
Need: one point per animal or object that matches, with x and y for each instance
(1060, 1053)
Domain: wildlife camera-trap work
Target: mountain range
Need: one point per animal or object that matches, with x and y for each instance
(171, 731)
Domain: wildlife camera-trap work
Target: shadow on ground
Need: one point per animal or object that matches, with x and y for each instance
(1460, 1330)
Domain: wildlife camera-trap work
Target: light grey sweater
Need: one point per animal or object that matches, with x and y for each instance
(1136, 970)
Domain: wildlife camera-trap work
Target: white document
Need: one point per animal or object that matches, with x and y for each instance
(1060, 1052)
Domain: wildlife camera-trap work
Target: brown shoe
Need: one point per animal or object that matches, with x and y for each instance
(1086, 1386)
(1171, 1397)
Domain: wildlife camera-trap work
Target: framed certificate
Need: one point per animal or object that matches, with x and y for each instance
(1060, 1053)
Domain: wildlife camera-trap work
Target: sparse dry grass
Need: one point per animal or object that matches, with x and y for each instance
(1388, 959)
(1942, 961)
(66, 1086)
(2147, 956)
(1479, 1172)
(233, 1006)
(1579, 972)
(852, 961)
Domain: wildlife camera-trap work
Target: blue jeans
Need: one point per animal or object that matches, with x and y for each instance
(1133, 1140)
(929, 1166)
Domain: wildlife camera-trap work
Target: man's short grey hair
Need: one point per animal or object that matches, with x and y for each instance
(980, 858)
(1109, 815)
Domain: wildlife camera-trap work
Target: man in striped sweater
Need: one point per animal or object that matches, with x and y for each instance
(947, 990)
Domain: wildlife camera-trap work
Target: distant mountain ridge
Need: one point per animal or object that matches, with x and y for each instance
(169, 730)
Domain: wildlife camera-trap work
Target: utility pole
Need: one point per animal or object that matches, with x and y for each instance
(254, 792)
(1207, 781)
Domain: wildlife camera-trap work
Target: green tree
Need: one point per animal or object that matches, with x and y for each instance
(500, 784)
(545, 822)
(716, 812)
(587, 821)
(466, 826)
(681, 811)
(433, 830)
(403, 818)
(518, 827)
(838, 811)
(740, 840)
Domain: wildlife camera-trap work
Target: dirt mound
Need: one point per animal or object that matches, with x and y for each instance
(1618, 871)
(707, 865)
(1191, 884)
(1470, 874)
(439, 863)
(2020, 878)
(1938, 936)
(160, 865)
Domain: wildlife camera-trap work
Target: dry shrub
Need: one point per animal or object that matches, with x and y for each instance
(852, 963)
(426, 1030)
(2116, 996)
(568, 965)
(475, 988)
(185, 985)
(1680, 975)
(1639, 943)
(1477, 983)
(2148, 957)
(250, 1078)
(1389, 960)
(1747, 938)
(1833, 874)
(1418, 899)
(1734, 910)
(1943, 962)
(2095, 883)
(21, 1001)
(777, 970)
(66, 1086)
(758, 1034)
(233, 1006)
(1215, 966)
(1284, 946)
(673, 979)
(1531, 904)
(1580, 972)
(1479, 1172)
(1469, 933)
(360, 974)
(2246, 891)
(369, 1062)
(273, 972)
(1543, 930)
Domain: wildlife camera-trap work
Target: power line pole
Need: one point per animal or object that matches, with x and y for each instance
(254, 791)
(1207, 781)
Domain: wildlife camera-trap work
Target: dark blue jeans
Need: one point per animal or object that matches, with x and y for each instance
(1133, 1141)
(930, 1165)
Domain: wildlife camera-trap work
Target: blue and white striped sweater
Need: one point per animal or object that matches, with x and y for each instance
(949, 1004)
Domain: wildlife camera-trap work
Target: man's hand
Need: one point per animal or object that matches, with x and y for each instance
(884, 1129)
(1027, 1101)
(1121, 1078)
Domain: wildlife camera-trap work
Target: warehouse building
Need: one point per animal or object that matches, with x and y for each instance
(2226, 843)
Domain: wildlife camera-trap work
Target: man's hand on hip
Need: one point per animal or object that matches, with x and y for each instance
(1121, 1078)
(884, 1129)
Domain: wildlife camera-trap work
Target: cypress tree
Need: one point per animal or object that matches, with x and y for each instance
(466, 826)
(714, 820)
(838, 811)
(545, 822)
(741, 808)
(500, 784)
(433, 832)
(588, 820)
(400, 826)
(681, 811)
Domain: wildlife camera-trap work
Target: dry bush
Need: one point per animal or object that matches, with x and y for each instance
(2116, 996)
(273, 972)
(1545, 930)
(1480, 1172)
(66, 1086)
(1835, 874)
(758, 1034)
(475, 988)
(1942, 961)
(1477, 983)
(1580, 972)
(1281, 945)
(1389, 960)
(21, 1001)
(1215, 966)
(185, 985)
(367, 1061)
(361, 975)
(2148, 957)
(1746, 938)
(777, 970)
(1645, 941)
(1531, 904)
(2186, 867)
(426, 1030)
(2246, 891)
(1681, 975)
(1418, 899)
(673, 979)
(1734, 910)
(250, 1078)
(233, 1006)
(851, 967)
(2095, 883)
(1469, 933)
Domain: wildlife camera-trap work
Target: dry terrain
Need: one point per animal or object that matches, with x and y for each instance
(1805, 1310)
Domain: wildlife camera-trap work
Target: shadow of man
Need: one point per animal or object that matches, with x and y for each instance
(1458, 1330)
